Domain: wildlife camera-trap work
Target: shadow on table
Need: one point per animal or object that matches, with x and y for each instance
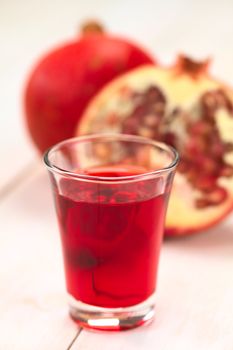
(218, 239)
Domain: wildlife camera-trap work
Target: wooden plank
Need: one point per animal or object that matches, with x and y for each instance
(33, 308)
(194, 304)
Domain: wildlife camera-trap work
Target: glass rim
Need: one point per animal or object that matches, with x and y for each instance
(111, 136)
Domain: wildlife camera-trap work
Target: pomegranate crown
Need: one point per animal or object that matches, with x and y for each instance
(187, 65)
(92, 27)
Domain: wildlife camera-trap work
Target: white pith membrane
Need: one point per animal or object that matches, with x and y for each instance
(181, 96)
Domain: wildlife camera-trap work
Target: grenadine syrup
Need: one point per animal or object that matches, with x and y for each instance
(111, 235)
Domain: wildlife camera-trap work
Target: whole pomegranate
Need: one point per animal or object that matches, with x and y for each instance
(185, 107)
(63, 82)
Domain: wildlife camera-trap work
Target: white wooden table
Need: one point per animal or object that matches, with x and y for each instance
(195, 289)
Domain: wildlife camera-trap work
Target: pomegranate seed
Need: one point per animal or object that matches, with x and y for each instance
(202, 203)
(154, 94)
(206, 183)
(217, 196)
(217, 149)
(206, 164)
(196, 145)
(227, 170)
(138, 112)
(130, 126)
(169, 138)
(200, 128)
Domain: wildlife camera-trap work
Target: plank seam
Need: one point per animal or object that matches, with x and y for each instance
(18, 179)
(74, 340)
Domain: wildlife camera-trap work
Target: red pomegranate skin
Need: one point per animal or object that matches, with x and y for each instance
(64, 81)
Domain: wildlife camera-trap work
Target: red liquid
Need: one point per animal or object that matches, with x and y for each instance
(111, 236)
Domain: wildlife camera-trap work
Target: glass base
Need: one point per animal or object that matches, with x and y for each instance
(114, 319)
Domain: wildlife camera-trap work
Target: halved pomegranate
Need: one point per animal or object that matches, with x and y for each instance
(62, 83)
(188, 109)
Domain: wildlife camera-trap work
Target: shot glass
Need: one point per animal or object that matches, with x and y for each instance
(111, 193)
